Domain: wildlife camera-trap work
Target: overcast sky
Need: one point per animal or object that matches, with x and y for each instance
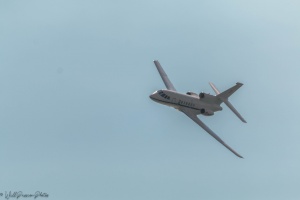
(77, 123)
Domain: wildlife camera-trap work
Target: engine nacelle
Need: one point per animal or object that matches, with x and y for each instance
(192, 94)
(206, 112)
(202, 95)
(208, 98)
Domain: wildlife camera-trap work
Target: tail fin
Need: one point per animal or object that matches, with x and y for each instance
(225, 95)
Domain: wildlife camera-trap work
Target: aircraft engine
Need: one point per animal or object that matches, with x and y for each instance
(202, 95)
(206, 112)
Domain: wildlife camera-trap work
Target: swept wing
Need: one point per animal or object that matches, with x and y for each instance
(164, 76)
(194, 117)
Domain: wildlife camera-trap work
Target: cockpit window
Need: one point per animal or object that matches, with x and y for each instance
(162, 94)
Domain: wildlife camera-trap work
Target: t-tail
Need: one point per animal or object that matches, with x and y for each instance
(225, 95)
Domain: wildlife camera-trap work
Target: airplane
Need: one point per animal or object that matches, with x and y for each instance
(193, 104)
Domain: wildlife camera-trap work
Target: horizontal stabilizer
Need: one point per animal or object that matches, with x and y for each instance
(234, 110)
(214, 88)
(225, 95)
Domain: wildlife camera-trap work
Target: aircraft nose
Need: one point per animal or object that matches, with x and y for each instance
(151, 96)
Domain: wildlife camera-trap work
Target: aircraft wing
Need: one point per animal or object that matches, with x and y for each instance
(164, 76)
(207, 129)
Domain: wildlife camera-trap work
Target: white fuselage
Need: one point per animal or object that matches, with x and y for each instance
(179, 100)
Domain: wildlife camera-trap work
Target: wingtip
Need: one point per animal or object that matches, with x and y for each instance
(238, 155)
(243, 120)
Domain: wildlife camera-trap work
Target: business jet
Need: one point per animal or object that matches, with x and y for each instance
(193, 104)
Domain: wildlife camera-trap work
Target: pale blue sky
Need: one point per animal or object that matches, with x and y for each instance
(76, 120)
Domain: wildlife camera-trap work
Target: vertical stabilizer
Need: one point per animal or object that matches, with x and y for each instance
(225, 95)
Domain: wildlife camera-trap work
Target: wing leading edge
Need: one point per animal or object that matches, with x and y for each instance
(208, 130)
(164, 76)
